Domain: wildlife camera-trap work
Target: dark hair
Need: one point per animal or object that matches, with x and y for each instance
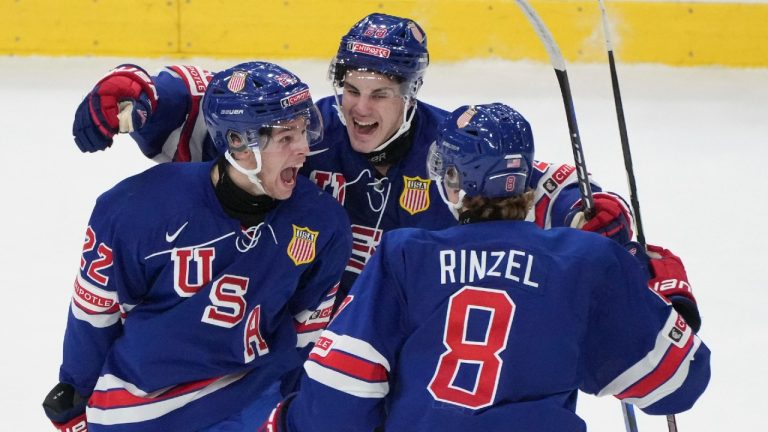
(481, 208)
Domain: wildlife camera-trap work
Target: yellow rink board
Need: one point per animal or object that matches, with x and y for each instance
(680, 34)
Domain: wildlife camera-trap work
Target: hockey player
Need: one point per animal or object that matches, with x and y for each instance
(493, 325)
(200, 283)
(376, 139)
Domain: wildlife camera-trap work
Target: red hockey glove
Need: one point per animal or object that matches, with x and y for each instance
(77, 424)
(122, 101)
(669, 279)
(276, 420)
(612, 218)
(66, 409)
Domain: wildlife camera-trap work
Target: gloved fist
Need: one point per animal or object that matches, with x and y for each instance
(66, 409)
(612, 218)
(77, 424)
(276, 420)
(122, 101)
(669, 279)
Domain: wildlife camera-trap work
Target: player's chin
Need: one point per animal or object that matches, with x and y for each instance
(364, 144)
(283, 185)
(280, 192)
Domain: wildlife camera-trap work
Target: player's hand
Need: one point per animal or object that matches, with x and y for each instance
(611, 219)
(669, 279)
(122, 101)
(66, 409)
(77, 424)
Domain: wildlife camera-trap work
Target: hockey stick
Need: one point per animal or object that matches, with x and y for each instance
(623, 129)
(628, 410)
(630, 422)
(556, 58)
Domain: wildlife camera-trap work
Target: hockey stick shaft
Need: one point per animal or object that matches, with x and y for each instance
(628, 165)
(630, 422)
(627, 410)
(556, 58)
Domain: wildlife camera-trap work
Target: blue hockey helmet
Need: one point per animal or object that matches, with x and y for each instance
(384, 44)
(483, 150)
(244, 103)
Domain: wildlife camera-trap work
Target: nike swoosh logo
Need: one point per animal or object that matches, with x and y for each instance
(171, 237)
(316, 152)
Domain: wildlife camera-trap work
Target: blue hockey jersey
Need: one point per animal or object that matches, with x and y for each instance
(494, 326)
(180, 315)
(404, 197)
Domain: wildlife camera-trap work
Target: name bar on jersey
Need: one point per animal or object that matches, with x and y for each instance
(464, 266)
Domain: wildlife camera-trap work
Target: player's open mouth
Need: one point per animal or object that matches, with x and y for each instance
(288, 175)
(365, 128)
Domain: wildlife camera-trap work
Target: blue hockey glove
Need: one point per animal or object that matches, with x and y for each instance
(66, 409)
(612, 218)
(122, 101)
(668, 278)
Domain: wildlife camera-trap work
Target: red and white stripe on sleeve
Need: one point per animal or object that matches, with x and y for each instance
(116, 402)
(94, 305)
(350, 365)
(662, 371)
(309, 324)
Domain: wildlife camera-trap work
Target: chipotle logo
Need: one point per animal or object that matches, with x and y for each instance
(372, 50)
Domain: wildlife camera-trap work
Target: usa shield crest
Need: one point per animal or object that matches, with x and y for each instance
(237, 81)
(415, 196)
(465, 117)
(301, 249)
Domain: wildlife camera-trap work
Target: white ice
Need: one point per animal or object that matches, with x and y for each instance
(699, 139)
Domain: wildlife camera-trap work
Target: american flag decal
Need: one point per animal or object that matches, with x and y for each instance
(417, 34)
(415, 196)
(237, 81)
(301, 249)
(513, 162)
(464, 118)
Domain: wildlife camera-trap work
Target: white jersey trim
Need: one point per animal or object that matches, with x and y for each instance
(94, 312)
(672, 384)
(148, 411)
(345, 383)
(651, 361)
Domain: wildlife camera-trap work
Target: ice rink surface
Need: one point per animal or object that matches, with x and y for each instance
(699, 139)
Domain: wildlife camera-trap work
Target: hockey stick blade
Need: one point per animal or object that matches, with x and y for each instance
(556, 58)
